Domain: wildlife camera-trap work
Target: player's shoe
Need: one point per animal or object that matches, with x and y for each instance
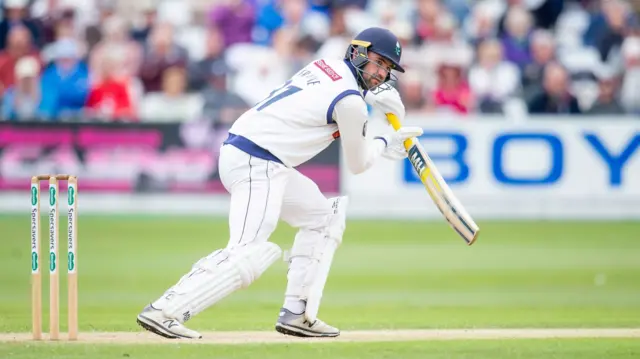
(155, 321)
(297, 325)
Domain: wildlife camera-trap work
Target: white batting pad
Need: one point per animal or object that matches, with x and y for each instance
(216, 276)
(311, 258)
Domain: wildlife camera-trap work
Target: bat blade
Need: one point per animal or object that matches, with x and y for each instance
(442, 195)
(444, 199)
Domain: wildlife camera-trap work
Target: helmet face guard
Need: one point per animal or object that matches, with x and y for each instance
(358, 55)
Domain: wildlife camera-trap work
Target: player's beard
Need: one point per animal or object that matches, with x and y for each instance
(373, 82)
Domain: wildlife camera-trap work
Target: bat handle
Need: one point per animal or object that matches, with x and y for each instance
(395, 123)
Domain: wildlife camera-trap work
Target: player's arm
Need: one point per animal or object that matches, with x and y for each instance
(360, 152)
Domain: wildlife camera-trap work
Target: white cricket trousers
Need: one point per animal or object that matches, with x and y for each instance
(262, 192)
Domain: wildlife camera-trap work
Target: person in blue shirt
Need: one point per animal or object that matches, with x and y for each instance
(64, 83)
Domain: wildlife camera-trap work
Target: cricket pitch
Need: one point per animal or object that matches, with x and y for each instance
(266, 337)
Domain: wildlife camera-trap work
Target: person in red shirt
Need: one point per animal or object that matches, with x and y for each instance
(112, 95)
(452, 92)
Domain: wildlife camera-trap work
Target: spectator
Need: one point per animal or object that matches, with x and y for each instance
(544, 13)
(277, 14)
(21, 101)
(172, 104)
(458, 8)
(543, 49)
(93, 32)
(54, 20)
(261, 69)
(412, 91)
(199, 71)
(65, 83)
(116, 39)
(607, 102)
(555, 97)
(630, 92)
(112, 95)
(480, 24)
(16, 14)
(387, 12)
(339, 34)
(493, 80)
(452, 93)
(426, 19)
(160, 54)
(221, 107)
(518, 25)
(63, 25)
(215, 94)
(18, 45)
(235, 20)
(140, 32)
(445, 41)
(547, 12)
(608, 27)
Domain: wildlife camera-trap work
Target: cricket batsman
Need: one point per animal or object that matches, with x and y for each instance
(324, 101)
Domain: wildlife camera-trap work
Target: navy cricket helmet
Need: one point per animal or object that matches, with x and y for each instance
(375, 39)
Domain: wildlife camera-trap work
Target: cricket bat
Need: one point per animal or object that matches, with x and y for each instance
(437, 188)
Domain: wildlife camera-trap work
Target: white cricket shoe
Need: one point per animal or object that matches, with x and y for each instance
(297, 325)
(155, 321)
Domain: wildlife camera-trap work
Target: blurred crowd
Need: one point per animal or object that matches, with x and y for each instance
(184, 60)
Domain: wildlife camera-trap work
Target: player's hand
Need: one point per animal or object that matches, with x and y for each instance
(395, 153)
(386, 101)
(395, 142)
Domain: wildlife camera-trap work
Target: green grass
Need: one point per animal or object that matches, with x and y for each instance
(385, 275)
(471, 349)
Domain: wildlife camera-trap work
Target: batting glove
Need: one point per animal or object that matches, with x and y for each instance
(395, 142)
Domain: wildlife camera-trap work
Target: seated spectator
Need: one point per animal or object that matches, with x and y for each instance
(65, 82)
(518, 26)
(543, 49)
(338, 34)
(221, 107)
(235, 20)
(172, 104)
(452, 93)
(55, 18)
(426, 20)
(275, 15)
(140, 32)
(215, 93)
(111, 95)
(18, 45)
(65, 29)
(412, 91)
(445, 41)
(161, 53)
(388, 12)
(480, 24)
(93, 31)
(198, 72)
(608, 27)
(21, 101)
(16, 12)
(260, 69)
(493, 80)
(544, 13)
(630, 92)
(607, 102)
(115, 38)
(554, 97)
